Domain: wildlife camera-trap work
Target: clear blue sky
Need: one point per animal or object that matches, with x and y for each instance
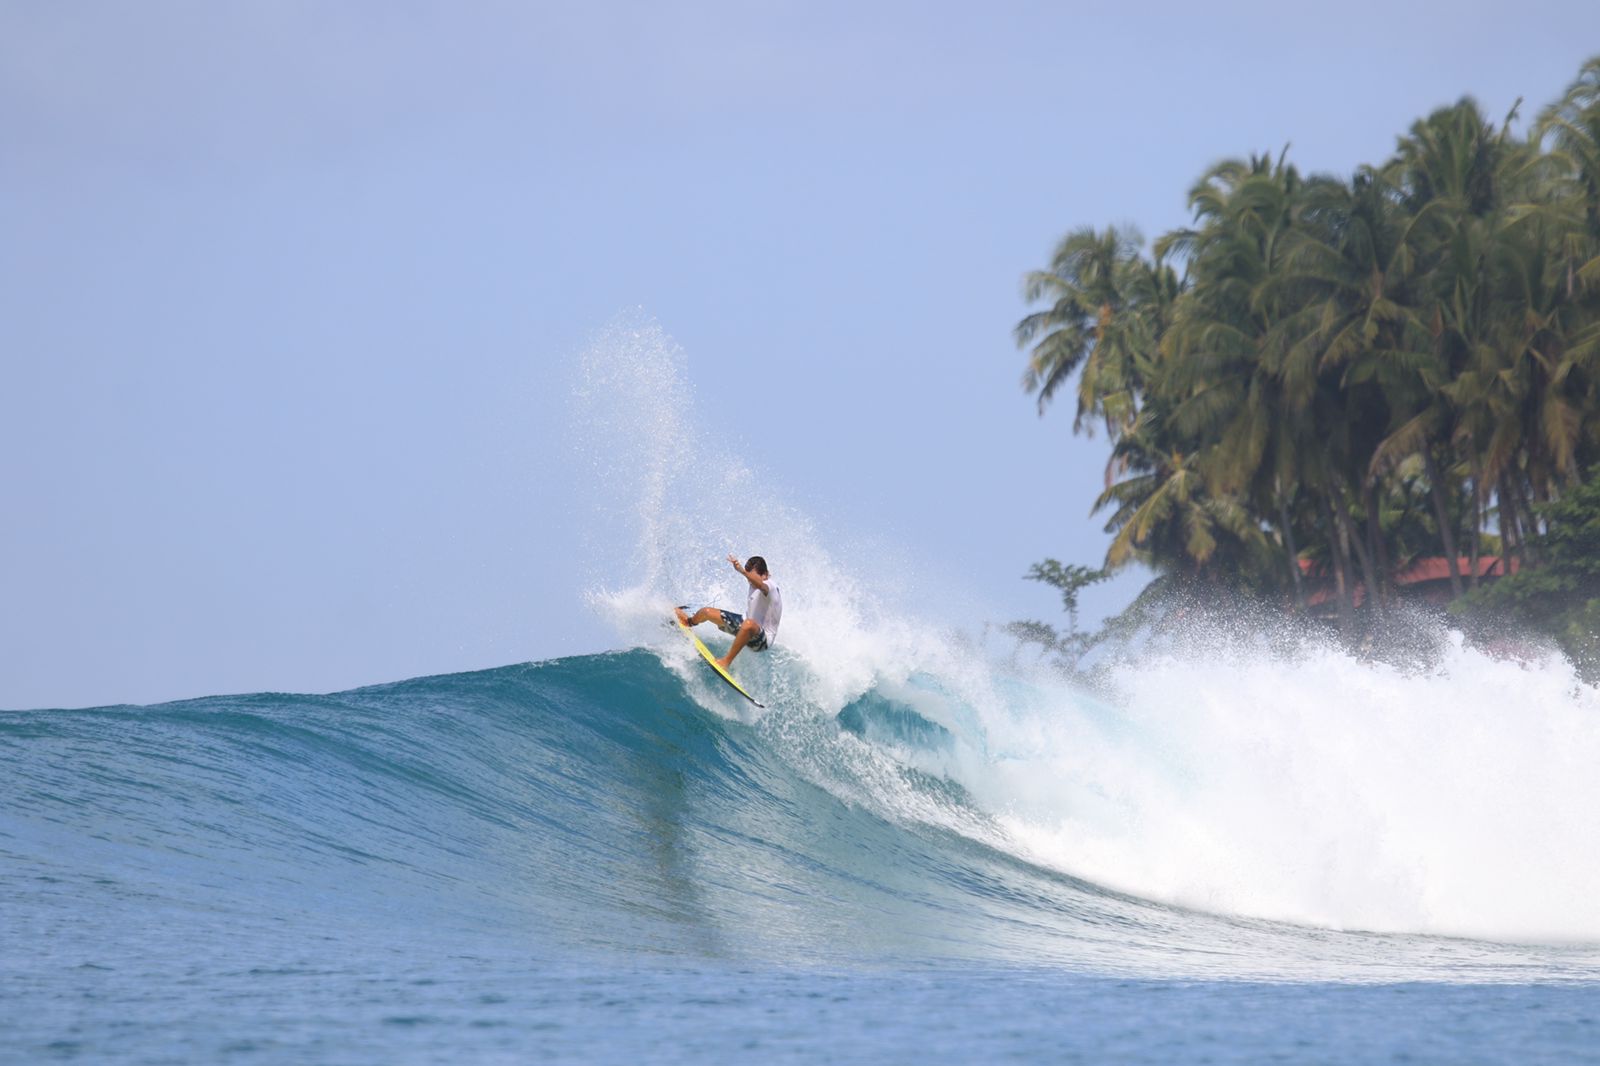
(291, 292)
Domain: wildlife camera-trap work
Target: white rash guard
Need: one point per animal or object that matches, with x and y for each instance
(766, 611)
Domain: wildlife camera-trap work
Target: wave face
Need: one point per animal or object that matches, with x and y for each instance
(1269, 778)
(1229, 807)
(612, 804)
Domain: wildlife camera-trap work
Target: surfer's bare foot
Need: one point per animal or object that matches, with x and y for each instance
(725, 663)
(683, 619)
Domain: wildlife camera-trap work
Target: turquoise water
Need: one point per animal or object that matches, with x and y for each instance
(590, 860)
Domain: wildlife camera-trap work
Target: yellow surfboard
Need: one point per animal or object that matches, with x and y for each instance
(705, 653)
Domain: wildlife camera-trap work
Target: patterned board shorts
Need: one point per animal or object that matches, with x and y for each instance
(730, 624)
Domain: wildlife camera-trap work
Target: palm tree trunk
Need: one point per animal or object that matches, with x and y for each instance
(1477, 525)
(1507, 526)
(1293, 551)
(1441, 515)
(1342, 513)
(1375, 545)
(1527, 526)
(1511, 516)
(1294, 556)
(1339, 549)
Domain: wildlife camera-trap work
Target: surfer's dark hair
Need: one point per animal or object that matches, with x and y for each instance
(758, 564)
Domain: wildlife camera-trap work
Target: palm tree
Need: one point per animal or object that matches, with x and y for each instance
(1340, 357)
(1107, 311)
(1354, 354)
(1571, 126)
(1166, 514)
(1455, 173)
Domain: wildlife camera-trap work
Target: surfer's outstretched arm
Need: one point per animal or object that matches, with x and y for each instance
(750, 575)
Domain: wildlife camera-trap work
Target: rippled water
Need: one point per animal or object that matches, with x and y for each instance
(588, 860)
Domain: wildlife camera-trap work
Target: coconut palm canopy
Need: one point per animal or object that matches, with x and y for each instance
(1343, 374)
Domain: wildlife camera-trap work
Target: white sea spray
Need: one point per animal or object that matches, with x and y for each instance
(1308, 785)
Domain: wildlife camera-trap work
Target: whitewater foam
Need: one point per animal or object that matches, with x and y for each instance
(1331, 791)
(1312, 787)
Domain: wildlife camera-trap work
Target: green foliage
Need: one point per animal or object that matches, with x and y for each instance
(1561, 597)
(1348, 373)
(1067, 645)
(1067, 578)
(1579, 637)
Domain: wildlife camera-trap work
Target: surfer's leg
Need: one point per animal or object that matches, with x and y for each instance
(704, 614)
(746, 631)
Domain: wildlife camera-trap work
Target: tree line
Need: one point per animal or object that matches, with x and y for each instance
(1325, 378)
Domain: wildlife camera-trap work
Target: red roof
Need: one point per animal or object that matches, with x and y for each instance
(1421, 571)
(1437, 568)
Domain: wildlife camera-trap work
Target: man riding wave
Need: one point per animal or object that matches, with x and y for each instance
(757, 628)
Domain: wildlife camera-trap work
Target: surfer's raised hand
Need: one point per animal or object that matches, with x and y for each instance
(734, 559)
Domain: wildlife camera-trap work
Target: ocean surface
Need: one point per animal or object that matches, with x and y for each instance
(611, 858)
(1239, 846)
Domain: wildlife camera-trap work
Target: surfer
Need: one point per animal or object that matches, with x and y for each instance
(757, 628)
